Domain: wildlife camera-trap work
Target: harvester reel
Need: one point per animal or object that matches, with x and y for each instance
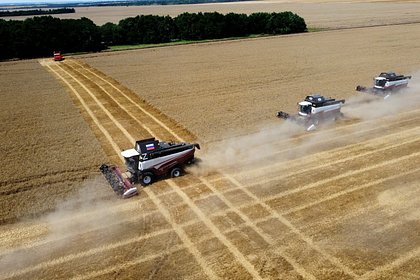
(121, 185)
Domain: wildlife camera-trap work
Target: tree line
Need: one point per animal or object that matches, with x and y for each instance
(39, 36)
(150, 29)
(36, 12)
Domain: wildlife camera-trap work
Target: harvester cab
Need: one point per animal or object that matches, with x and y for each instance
(313, 110)
(379, 82)
(305, 108)
(385, 84)
(147, 161)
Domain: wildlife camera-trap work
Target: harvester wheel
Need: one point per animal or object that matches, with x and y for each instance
(147, 179)
(176, 172)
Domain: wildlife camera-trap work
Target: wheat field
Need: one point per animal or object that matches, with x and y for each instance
(267, 201)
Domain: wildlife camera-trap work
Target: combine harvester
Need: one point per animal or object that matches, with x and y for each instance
(149, 160)
(386, 84)
(314, 110)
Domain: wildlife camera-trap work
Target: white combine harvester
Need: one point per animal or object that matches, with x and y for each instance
(386, 84)
(149, 160)
(314, 110)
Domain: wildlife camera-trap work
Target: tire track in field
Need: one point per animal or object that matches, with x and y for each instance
(91, 114)
(178, 229)
(215, 230)
(133, 102)
(395, 161)
(270, 241)
(128, 263)
(330, 156)
(43, 242)
(86, 107)
(87, 253)
(295, 230)
(234, 250)
(114, 99)
(239, 186)
(350, 190)
(376, 274)
(262, 234)
(331, 258)
(344, 175)
(315, 167)
(337, 194)
(332, 221)
(333, 215)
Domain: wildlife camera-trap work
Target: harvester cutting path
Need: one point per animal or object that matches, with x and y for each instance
(150, 159)
(314, 110)
(386, 84)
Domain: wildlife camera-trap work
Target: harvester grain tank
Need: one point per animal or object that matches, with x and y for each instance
(386, 83)
(149, 160)
(314, 110)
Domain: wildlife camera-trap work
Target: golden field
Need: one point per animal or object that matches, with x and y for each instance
(317, 13)
(267, 201)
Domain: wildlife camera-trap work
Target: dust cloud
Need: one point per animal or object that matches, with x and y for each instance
(365, 106)
(236, 153)
(84, 213)
(262, 148)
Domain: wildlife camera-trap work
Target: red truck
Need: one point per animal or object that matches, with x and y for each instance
(58, 56)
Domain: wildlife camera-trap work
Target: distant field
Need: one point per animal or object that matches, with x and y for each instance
(322, 14)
